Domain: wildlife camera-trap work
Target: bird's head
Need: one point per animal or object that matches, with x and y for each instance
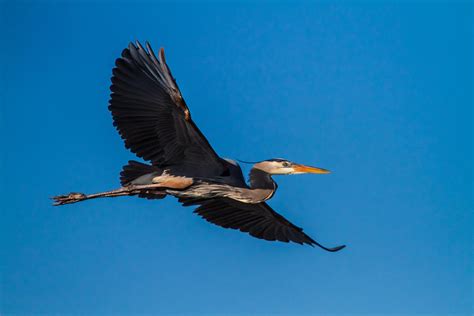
(282, 167)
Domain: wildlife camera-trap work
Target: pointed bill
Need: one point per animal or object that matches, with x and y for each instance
(309, 169)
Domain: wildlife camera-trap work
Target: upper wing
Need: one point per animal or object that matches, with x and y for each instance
(259, 220)
(150, 114)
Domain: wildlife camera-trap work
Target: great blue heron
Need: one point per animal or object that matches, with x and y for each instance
(153, 119)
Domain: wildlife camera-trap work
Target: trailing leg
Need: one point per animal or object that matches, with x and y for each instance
(147, 189)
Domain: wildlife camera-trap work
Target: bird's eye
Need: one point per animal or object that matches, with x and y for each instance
(286, 164)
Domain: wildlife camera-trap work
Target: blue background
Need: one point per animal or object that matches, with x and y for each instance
(381, 94)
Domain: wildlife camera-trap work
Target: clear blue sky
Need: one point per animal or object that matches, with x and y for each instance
(381, 94)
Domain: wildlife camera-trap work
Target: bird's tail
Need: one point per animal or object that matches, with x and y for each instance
(134, 169)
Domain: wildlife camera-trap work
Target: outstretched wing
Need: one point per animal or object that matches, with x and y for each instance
(152, 117)
(259, 220)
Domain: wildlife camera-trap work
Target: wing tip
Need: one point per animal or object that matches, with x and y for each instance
(162, 55)
(137, 45)
(333, 249)
(310, 241)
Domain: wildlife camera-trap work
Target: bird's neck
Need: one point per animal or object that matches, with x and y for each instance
(261, 180)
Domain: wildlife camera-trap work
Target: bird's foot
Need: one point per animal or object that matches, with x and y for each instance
(72, 197)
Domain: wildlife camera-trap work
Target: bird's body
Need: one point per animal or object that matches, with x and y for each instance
(152, 117)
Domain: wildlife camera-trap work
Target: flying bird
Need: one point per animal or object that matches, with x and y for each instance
(152, 118)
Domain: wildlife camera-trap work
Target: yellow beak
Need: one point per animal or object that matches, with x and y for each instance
(308, 169)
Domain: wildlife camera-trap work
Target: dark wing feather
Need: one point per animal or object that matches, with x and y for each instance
(259, 220)
(152, 117)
